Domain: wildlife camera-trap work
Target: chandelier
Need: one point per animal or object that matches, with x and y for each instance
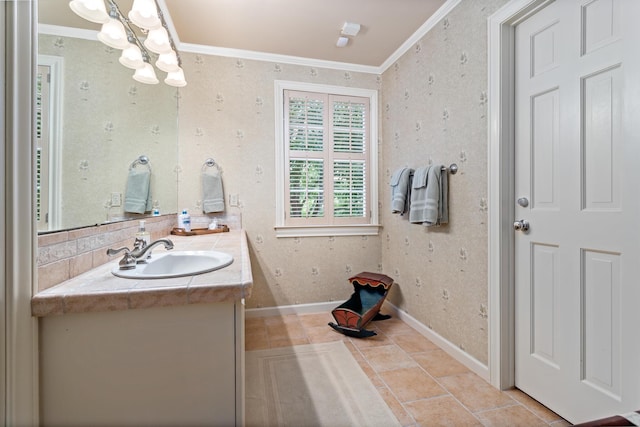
(118, 33)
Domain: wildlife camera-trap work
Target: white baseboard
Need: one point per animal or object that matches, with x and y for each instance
(454, 351)
(292, 309)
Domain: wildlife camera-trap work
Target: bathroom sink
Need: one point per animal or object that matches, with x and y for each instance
(177, 264)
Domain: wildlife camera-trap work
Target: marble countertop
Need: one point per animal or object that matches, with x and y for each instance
(99, 290)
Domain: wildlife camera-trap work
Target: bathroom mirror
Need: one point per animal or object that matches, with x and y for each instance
(93, 122)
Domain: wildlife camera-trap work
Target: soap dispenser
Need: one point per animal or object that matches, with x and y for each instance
(143, 234)
(184, 221)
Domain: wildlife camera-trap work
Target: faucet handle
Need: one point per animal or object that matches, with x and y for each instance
(127, 262)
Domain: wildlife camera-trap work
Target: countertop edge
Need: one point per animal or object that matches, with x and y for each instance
(50, 303)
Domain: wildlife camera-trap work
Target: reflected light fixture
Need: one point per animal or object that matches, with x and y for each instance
(157, 41)
(132, 56)
(118, 33)
(145, 74)
(176, 78)
(168, 62)
(91, 10)
(143, 14)
(112, 32)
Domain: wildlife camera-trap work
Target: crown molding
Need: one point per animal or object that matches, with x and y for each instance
(420, 32)
(271, 57)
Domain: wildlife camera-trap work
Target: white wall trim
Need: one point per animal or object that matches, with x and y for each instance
(420, 32)
(283, 310)
(56, 107)
(453, 350)
(501, 35)
(325, 307)
(79, 33)
(281, 59)
(19, 225)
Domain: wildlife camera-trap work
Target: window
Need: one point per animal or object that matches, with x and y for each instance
(326, 165)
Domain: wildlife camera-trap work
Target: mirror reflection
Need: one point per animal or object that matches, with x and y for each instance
(94, 124)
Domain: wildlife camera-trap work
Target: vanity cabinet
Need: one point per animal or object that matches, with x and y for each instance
(162, 352)
(173, 366)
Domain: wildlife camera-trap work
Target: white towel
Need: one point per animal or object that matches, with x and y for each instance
(400, 190)
(212, 194)
(137, 197)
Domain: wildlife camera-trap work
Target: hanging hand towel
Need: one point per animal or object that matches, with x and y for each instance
(212, 194)
(435, 200)
(138, 194)
(401, 190)
(420, 209)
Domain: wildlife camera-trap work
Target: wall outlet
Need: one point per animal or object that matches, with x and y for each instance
(234, 200)
(116, 199)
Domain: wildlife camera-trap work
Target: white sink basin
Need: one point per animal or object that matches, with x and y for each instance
(177, 264)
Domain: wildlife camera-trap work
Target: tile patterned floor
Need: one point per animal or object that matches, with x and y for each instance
(421, 383)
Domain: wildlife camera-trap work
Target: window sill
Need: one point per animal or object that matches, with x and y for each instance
(327, 231)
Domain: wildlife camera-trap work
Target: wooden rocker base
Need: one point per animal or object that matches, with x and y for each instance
(351, 332)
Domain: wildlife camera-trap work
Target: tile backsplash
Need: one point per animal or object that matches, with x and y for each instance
(67, 254)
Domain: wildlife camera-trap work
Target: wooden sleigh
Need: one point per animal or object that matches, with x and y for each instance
(369, 292)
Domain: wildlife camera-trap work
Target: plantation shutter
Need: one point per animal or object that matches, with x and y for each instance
(42, 147)
(326, 157)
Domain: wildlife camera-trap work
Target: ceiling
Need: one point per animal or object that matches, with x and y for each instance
(294, 28)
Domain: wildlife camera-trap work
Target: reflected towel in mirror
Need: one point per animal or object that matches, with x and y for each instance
(137, 198)
(212, 193)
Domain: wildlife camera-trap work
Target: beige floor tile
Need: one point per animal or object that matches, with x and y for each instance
(316, 320)
(441, 411)
(475, 393)
(287, 341)
(374, 341)
(364, 365)
(413, 342)
(513, 416)
(392, 326)
(439, 364)
(285, 330)
(403, 416)
(256, 342)
(411, 384)
(318, 334)
(386, 358)
(277, 320)
(534, 406)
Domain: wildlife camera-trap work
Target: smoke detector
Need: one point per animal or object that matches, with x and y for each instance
(350, 29)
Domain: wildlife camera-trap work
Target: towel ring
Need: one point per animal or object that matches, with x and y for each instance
(142, 160)
(209, 163)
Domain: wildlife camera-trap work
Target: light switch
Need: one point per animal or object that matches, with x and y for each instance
(116, 199)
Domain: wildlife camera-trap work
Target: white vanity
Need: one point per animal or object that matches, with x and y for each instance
(117, 351)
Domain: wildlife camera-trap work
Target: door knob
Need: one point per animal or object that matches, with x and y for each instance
(521, 225)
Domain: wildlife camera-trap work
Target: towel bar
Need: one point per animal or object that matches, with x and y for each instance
(453, 169)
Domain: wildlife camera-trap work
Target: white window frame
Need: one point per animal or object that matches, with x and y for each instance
(372, 226)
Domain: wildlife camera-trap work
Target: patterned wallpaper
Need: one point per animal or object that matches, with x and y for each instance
(434, 108)
(108, 120)
(227, 112)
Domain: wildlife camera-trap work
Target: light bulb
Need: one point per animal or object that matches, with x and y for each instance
(157, 41)
(112, 34)
(132, 57)
(176, 78)
(145, 14)
(146, 75)
(168, 62)
(91, 10)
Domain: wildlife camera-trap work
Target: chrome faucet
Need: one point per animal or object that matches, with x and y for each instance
(138, 254)
(140, 249)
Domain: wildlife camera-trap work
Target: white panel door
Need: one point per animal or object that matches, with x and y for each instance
(577, 183)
